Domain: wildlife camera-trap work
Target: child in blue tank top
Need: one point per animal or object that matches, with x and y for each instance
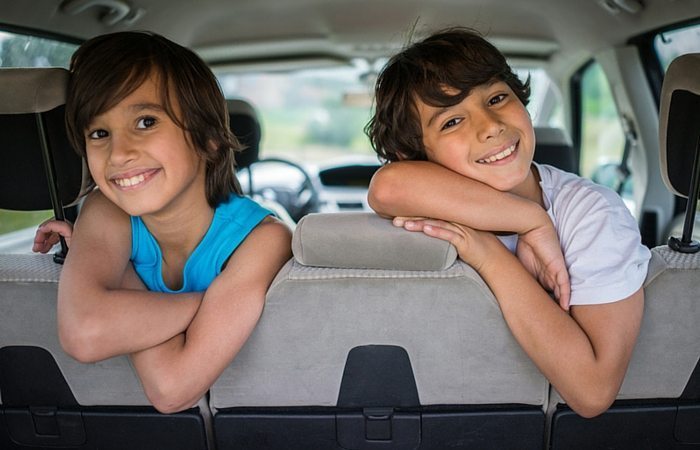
(168, 263)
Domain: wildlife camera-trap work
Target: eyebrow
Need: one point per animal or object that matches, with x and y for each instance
(143, 106)
(440, 111)
(444, 109)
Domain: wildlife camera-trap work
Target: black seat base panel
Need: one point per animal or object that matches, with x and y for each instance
(633, 425)
(426, 428)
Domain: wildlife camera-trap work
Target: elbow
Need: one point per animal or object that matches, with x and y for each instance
(383, 190)
(594, 403)
(169, 397)
(80, 342)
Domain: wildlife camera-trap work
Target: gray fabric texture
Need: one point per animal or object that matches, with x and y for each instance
(28, 292)
(366, 241)
(32, 90)
(668, 346)
(450, 325)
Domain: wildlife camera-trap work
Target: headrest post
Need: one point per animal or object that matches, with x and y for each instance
(686, 244)
(50, 171)
(250, 180)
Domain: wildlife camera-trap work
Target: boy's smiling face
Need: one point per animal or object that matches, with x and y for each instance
(487, 137)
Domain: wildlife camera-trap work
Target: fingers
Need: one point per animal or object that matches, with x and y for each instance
(560, 285)
(44, 243)
(429, 226)
(48, 234)
(400, 221)
(564, 292)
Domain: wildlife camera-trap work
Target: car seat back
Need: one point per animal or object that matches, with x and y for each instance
(372, 337)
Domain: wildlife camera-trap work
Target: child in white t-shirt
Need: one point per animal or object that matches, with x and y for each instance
(451, 121)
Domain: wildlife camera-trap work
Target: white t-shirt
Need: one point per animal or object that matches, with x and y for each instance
(599, 237)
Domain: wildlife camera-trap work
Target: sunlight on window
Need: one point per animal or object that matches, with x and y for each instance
(318, 115)
(671, 44)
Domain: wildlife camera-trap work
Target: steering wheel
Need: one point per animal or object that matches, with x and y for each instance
(298, 201)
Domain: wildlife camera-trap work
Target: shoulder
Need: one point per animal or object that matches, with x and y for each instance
(262, 253)
(98, 212)
(272, 231)
(599, 237)
(269, 240)
(573, 200)
(101, 240)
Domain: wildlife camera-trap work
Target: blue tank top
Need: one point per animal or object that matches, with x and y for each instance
(232, 222)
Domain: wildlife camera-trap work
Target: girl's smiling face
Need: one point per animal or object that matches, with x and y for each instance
(487, 137)
(141, 159)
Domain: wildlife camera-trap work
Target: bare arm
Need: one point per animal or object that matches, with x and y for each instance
(584, 355)
(103, 309)
(177, 373)
(426, 189)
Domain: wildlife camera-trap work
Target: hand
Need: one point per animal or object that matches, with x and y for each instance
(540, 253)
(47, 235)
(472, 245)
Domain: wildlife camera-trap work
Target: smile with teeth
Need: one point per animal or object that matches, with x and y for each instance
(498, 156)
(131, 181)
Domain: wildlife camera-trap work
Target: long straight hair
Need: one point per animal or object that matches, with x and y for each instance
(106, 69)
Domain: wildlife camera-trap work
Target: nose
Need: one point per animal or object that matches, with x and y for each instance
(487, 124)
(122, 149)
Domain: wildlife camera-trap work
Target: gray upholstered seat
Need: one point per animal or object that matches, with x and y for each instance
(359, 285)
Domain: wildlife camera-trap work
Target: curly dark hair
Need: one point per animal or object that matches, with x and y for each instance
(456, 58)
(107, 68)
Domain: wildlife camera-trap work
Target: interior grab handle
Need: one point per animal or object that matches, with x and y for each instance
(115, 10)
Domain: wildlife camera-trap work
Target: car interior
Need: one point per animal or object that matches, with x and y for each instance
(371, 337)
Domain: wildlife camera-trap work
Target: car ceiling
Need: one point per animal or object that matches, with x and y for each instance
(560, 32)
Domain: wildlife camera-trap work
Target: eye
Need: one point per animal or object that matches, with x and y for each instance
(497, 99)
(98, 134)
(452, 122)
(146, 122)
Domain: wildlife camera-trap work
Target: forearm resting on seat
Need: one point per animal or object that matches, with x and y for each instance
(426, 189)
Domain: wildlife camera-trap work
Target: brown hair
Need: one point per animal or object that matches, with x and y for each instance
(457, 58)
(107, 68)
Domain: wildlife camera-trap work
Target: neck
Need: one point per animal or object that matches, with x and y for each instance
(180, 235)
(180, 226)
(530, 188)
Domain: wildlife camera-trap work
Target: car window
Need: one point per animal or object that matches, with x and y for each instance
(315, 116)
(602, 135)
(545, 105)
(308, 116)
(18, 50)
(671, 44)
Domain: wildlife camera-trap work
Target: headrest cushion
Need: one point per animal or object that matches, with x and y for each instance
(366, 241)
